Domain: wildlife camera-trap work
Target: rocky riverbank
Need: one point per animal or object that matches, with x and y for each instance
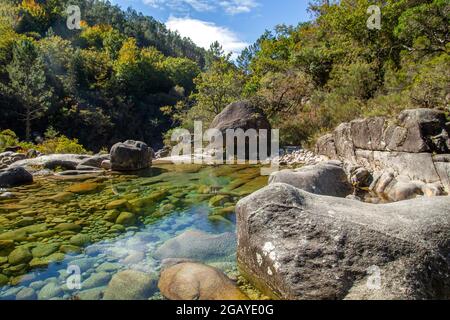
(305, 237)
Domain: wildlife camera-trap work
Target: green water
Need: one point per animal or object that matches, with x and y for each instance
(107, 224)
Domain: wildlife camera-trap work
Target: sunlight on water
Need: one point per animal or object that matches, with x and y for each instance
(105, 225)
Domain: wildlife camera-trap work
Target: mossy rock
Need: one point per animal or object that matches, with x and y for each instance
(68, 227)
(252, 186)
(45, 261)
(67, 248)
(80, 240)
(214, 218)
(3, 260)
(3, 280)
(85, 188)
(224, 211)
(20, 255)
(219, 200)
(6, 246)
(44, 250)
(118, 204)
(126, 219)
(167, 208)
(45, 234)
(12, 207)
(149, 201)
(111, 215)
(16, 269)
(62, 197)
(117, 228)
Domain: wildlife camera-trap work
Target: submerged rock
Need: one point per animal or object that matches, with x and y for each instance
(198, 245)
(194, 281)
(19, 256)
(49, 291)
(130, 285)
(297, 245)
(85, 188)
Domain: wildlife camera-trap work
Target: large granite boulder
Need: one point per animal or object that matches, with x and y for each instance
(195, 281)
(240, 115)
(15, 177)
(297, 245)
(326, 178)
(404, 147)
(130, 156)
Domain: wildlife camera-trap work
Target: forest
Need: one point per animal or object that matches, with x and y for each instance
(125, 76)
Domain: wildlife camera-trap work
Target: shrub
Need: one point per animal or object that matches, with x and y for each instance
(61, 144)
(7, 139)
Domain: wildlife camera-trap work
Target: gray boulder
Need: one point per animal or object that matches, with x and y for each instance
(240, 115)
(297, 245)
(198, 245)
(130, 156)
(325, 146)
(327, 178)
(94, 161)
(53, 161)
(15, 177)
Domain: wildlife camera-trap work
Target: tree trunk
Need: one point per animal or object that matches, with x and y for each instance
(28, 126)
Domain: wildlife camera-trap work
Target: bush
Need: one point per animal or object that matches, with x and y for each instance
(8, 139)
(61, 144)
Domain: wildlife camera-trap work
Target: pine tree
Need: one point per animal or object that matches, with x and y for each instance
(28, 83)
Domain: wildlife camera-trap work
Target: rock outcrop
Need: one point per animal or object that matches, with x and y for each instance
(130, 156)
(53, 161)
(195, 281)
(415, 151)
(297, 245)
(326, 178)
(15, 177)
(9, 157)
(240, 115)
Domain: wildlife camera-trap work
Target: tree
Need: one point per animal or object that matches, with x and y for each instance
(214, 53)
(216, 88)
(28, 83)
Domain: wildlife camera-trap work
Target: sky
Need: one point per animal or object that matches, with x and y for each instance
(234, 23)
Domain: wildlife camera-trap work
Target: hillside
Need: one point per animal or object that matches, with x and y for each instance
(90, 84)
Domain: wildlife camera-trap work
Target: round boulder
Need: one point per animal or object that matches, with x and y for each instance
(130, 156)
(15, 177)
(195, 281)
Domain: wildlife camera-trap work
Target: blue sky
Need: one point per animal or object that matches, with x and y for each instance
(234, 23)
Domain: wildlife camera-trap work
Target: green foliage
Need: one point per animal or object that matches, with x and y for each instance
(120, 69)
(7, 139)
(60, 144)
(312, 77)
(27, 83)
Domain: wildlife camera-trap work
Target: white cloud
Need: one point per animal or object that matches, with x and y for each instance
(203, 33)
(238, 6)
(231, 7)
